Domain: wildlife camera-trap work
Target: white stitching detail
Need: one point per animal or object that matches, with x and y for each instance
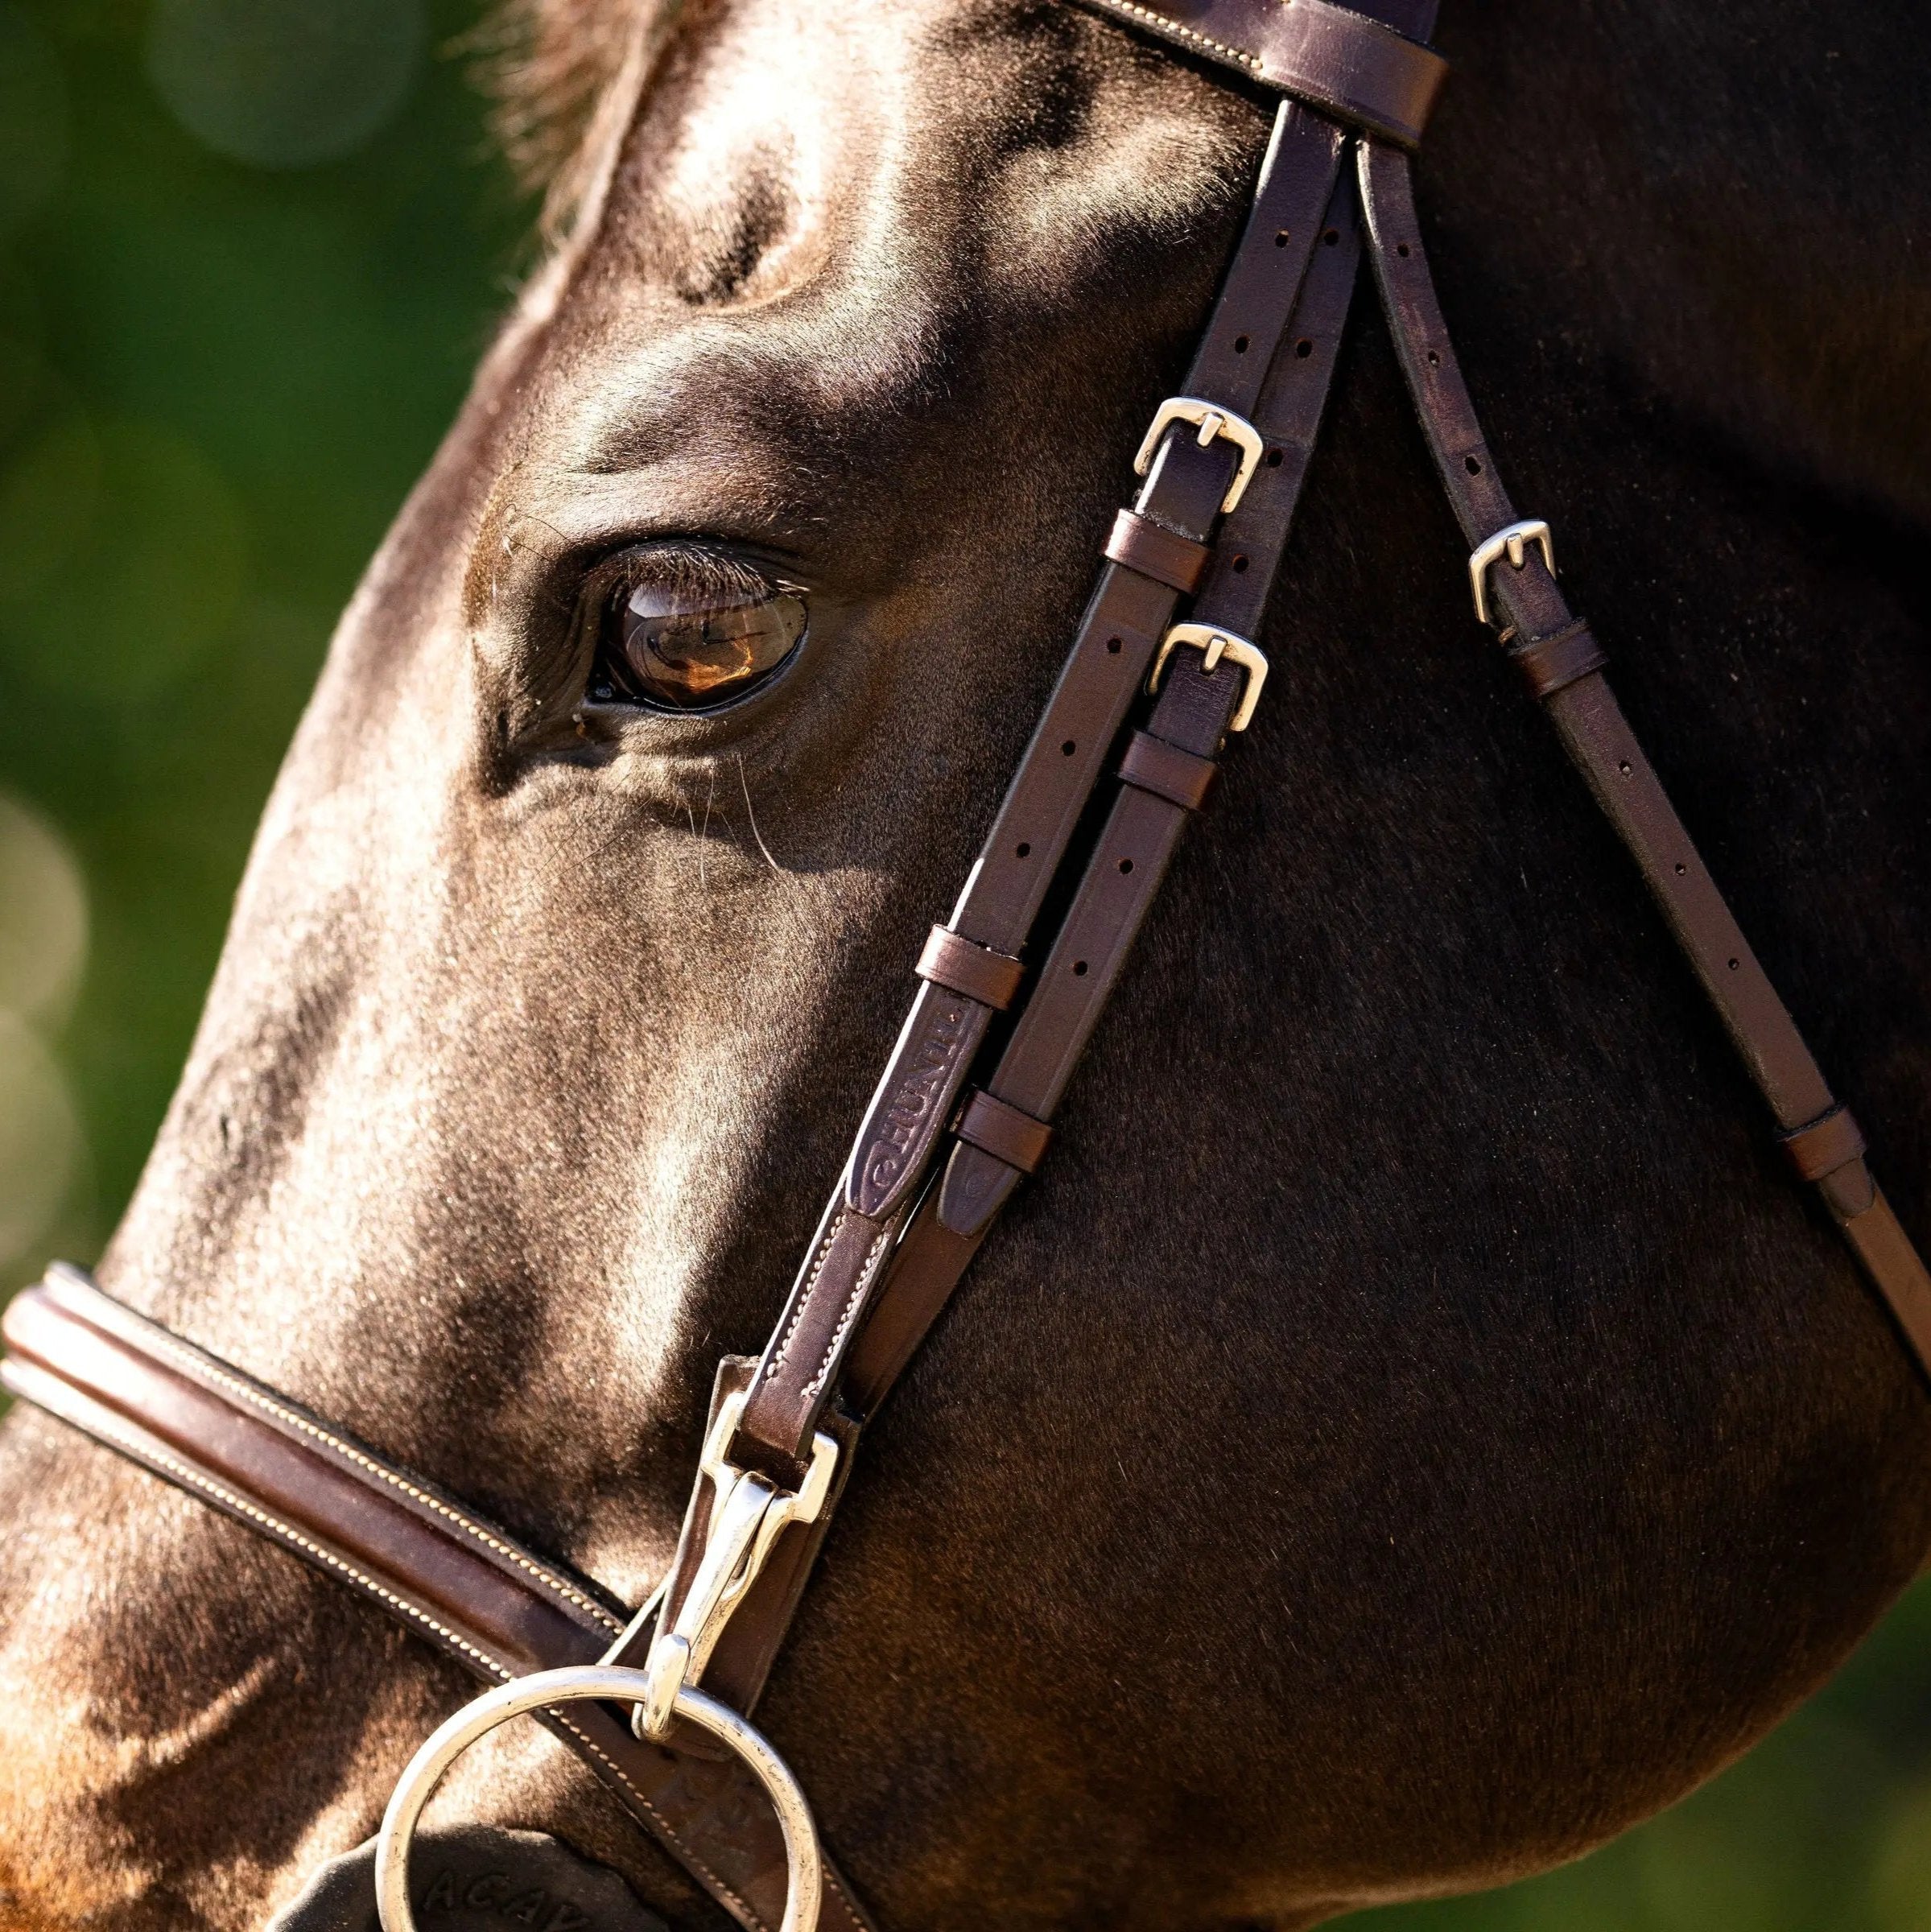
(1161, 24)
(143, 1452)
(804, 1293)
(192, 1358)
(663, 1824)
(850, 1309)
(188, 1478)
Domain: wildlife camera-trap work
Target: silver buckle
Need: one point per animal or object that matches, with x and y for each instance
(1509, 542)
(1216, 645)
(749, 1513)
(1214, 421)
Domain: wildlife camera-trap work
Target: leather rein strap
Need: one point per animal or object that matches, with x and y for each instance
(949, 1137)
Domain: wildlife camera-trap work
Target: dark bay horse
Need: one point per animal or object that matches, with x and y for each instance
(1404, 1437)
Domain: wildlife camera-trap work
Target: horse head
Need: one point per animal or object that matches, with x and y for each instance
(1407, 1433)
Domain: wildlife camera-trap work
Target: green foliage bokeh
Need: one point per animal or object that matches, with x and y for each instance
(218, 377)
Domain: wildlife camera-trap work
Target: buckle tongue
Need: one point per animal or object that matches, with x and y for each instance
(1212, 421)
(749, 1513)
(1215, 644)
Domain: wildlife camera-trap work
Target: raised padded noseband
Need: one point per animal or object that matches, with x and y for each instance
(1363, 73)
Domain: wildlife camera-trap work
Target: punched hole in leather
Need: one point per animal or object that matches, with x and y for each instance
(474, 1878)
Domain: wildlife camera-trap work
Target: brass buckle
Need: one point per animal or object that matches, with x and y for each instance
(749, 1513)
(1509, 542)
(1214, 421)
(1216, 645)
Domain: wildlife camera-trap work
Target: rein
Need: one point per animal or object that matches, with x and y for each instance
(1162, 673)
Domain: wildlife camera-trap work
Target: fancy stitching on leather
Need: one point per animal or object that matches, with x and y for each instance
(1161, 24)
(191, 1359)
(744, 1910)
(160, 1460)
(804, 1293)
(190, 1478)
(851, 1308)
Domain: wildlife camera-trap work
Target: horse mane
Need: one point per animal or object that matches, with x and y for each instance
(545, 65)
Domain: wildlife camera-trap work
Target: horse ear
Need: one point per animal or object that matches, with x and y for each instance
(556, 71)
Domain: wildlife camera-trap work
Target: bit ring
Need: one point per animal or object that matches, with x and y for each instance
(804, 1882)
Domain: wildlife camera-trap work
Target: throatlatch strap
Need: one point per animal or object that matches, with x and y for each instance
(1566, 668)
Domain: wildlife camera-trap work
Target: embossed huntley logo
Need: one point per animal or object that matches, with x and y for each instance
(902, 1124)
(499, 1895)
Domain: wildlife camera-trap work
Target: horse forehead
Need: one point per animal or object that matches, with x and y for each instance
(849, 205)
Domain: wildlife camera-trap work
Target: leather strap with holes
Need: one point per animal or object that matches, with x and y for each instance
(1165, 771)
(1156, 548)
(1564, 667)
(930, 1172)
(450, 1575)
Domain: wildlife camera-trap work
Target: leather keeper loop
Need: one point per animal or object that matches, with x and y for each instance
(1554, 662)
(1142, 544)
(1832, 1140)
(991, 978)
(1002, 1131)
(1150, 764)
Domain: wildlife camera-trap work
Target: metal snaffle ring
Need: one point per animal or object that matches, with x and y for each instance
(804, 1882)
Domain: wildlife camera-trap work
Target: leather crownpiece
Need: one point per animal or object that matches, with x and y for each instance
(474, 1878)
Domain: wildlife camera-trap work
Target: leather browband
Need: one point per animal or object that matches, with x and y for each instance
(916, 1201)
(1335, 58)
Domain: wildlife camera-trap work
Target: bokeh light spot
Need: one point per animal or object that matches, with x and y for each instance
(43, 916)
(39, 1137)
(33, 120)
(284, 83)
(122, 558)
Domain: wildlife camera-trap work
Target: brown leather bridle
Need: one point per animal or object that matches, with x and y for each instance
(952, 1129)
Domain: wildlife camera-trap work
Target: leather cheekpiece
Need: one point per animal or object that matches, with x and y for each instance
(991, 978)
(1004, 1132)
(1155, 551)
(1182, 778)
(1832, 1140)
(1554, 663)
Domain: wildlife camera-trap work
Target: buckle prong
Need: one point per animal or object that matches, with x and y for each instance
(1215, 644)
(1213, 421)
(1511, 542)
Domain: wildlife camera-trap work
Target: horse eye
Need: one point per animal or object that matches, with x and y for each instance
(693, 646)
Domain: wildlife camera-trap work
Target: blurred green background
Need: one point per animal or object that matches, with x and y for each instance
(249, 249)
